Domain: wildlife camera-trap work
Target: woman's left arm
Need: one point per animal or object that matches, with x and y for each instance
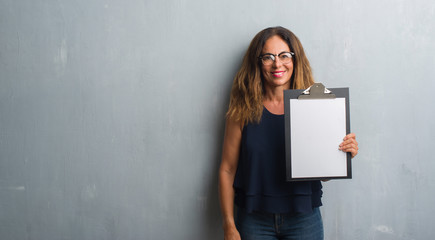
(349, 144)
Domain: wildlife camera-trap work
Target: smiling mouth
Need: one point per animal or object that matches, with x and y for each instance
(278, 73)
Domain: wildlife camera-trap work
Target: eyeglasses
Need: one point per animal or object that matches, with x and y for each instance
(284, 57)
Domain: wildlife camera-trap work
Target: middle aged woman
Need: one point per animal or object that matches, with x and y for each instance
(252, 171)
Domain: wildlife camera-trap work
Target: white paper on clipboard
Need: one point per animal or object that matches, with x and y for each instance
(319, 125)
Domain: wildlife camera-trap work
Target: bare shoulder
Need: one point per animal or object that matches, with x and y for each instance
(233, 127)
(233, 133)
(231, 146)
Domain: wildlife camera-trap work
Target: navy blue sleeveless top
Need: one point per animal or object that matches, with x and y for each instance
(260, 182)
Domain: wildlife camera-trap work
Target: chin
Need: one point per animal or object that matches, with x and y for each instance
(281, 82)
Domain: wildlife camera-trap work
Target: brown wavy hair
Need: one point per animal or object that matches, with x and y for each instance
(246, 100)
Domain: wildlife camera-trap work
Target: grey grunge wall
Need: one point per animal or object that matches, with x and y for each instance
(112, 113)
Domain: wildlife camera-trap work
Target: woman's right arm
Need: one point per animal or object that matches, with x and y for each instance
(227, 172)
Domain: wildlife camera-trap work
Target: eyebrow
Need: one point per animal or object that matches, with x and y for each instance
(275, 54)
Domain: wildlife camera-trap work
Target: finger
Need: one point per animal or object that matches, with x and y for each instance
(353, 149)
(349, 136)
(354, 152)
(348, 146)
(349, 141)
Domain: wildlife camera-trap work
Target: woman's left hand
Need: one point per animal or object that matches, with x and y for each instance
(349, 144)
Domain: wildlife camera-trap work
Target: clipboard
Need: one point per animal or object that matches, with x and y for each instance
(316, 121)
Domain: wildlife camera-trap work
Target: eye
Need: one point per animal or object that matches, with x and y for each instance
(268, 58)
(285, 56)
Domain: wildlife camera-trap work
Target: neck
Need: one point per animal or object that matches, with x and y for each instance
(273, 99)
(274, 94)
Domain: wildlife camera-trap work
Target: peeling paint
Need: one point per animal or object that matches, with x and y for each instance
(384, 229)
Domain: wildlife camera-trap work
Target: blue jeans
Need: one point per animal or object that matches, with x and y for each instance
(268, 226)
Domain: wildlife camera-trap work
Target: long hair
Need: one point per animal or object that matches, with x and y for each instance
(246, 100)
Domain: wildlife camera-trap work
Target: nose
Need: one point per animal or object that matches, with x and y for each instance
(277, 63)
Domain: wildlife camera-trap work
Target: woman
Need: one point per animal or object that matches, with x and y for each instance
(252, 171)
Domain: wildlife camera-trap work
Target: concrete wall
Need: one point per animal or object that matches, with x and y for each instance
(112, 113)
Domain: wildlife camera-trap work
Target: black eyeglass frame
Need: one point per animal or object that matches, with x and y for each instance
(274, 55)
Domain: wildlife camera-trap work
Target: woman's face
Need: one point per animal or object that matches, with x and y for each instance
(277, 74)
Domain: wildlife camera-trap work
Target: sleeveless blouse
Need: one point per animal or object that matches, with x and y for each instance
(260, 182)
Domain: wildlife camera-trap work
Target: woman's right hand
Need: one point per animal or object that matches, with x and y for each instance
(231, 233)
